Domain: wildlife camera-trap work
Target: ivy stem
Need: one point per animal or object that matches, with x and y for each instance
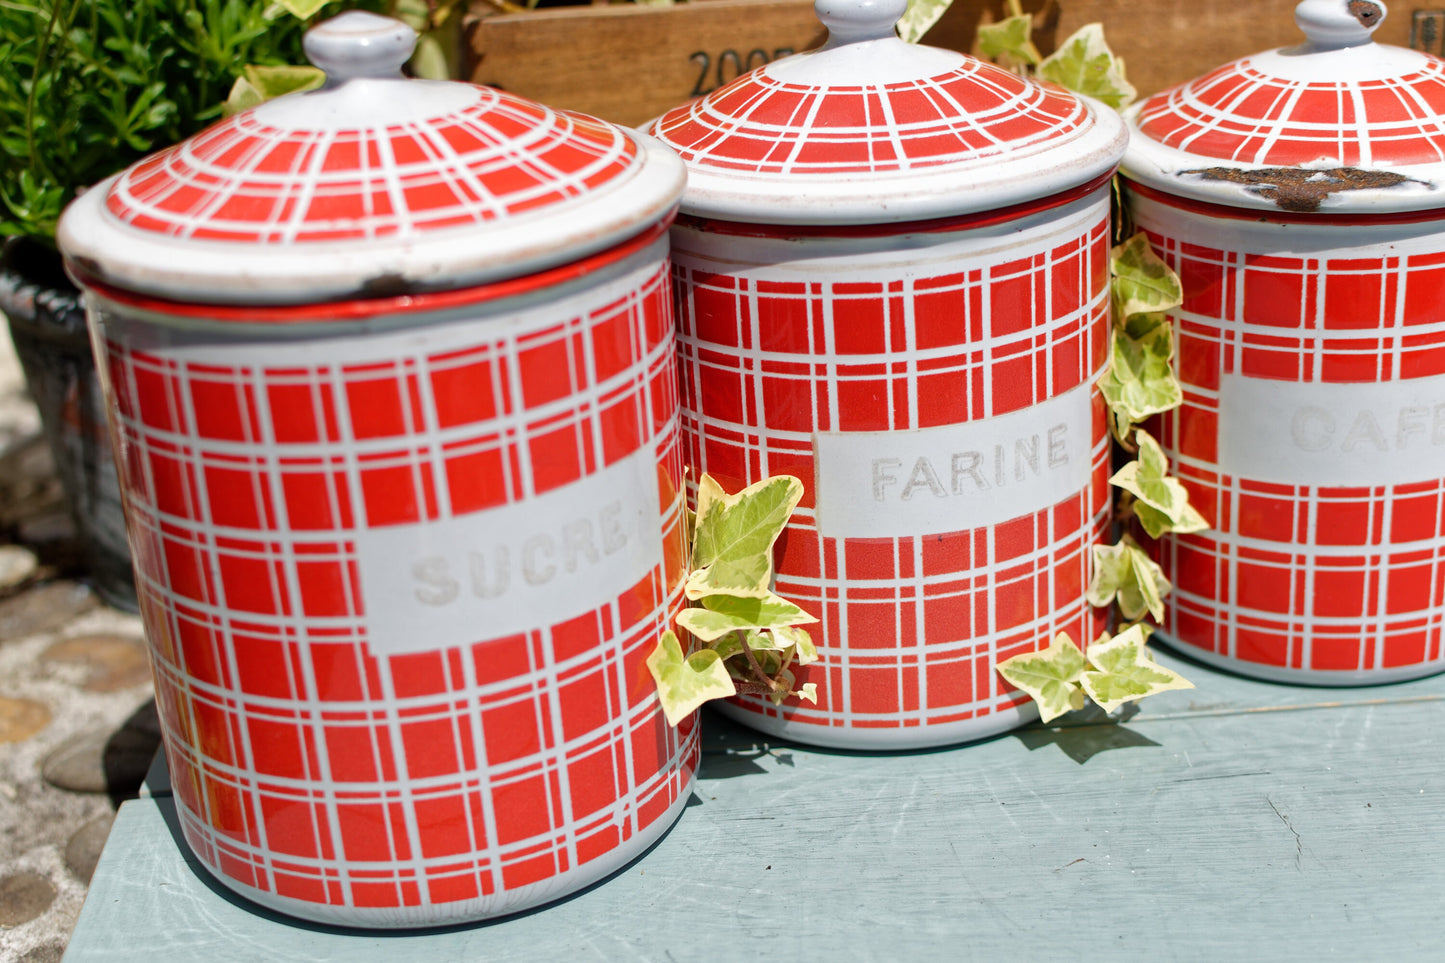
(762, 676)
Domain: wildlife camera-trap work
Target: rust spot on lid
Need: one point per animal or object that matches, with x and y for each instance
(1298, 189)
(1366, 12)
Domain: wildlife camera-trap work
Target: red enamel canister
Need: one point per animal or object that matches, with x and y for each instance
(891, 278)
(1300, 195)
(391, 377)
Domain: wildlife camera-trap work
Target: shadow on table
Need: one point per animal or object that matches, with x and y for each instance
(1088, 732)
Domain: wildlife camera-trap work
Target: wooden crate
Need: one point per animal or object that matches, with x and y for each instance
(628, 63)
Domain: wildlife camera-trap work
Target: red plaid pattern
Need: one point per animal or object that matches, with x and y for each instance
(910, 627)
(1302, 580)
(312, 774)
(245, 181)
(1242, 113)
(758, 124)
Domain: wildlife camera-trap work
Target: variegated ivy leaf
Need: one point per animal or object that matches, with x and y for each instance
(686, 682)
(920, 17)
(804, 651)
(760, 642)
(303, 9)
(722, 614)
(1142, 283)
(1161, 503)
(808, 693)
(1122, 670)
(733, 544)
(1085, 64)
(258, 84)
(1011, 36)
(1124, 573)
(1050, 676)
(1140, 381)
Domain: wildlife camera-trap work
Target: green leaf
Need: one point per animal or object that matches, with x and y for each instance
(1085, 64)
(1013, 37)
(1122, 670)
(733, 544)
(1142, 283)
(303, 9)
(1124, 573)
(683, 684)
(1140, 380)
(761, 643)
(722, 614)
(429, 60)
(1161, 503)
(920, 17)
(1050, 676)
(259, 83)
(804, 651)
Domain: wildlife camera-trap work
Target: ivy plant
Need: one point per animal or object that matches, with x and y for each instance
(746, 637)
(88, 87)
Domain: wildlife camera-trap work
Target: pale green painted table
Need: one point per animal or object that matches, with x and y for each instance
(1241, 820)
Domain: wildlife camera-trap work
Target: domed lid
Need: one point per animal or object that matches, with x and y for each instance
(869, 129)
(374, 184)
(1338, 123)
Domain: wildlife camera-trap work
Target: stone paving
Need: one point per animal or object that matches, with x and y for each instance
(77, 722)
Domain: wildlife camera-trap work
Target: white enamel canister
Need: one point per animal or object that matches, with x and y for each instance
(1300, 195)
(891, 282)
(390, 368)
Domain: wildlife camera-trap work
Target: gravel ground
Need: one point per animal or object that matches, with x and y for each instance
(77, 724)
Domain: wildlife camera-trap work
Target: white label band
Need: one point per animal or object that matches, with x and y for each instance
(511, 569)
(889, 484)
(1364, 434)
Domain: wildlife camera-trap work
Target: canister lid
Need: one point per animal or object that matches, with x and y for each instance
(1338, 123)
(373, 184)
(869, 129)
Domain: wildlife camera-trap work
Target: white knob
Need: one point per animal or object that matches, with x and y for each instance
(359, 44)
(1331, 24)
(849, 21)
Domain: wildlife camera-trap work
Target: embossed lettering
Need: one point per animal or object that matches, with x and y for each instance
(883, 475)
(1365, 428)
(965, 465)
(1058, 446)
(614, 537)
(1311, 429)
(1026, 452)
(538, 559)
(923, 476)
(1407, 425)
(438, 587)
(501, 573)
(577, 540)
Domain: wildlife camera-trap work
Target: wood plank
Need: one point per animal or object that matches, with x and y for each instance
(629, 63)
(1240, 820)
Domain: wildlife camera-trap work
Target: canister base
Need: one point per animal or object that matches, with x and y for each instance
(885, 740)
(1289, 676)
(466, 911)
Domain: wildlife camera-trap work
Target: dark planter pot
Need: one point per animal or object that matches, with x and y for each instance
(47, 325)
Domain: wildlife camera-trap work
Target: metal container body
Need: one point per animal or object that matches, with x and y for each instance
(1311, 349)
(933, 387)
(400, 568)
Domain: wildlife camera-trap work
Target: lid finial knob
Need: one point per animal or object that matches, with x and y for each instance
(1333, 24)
(849, 21)
(359, 44)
